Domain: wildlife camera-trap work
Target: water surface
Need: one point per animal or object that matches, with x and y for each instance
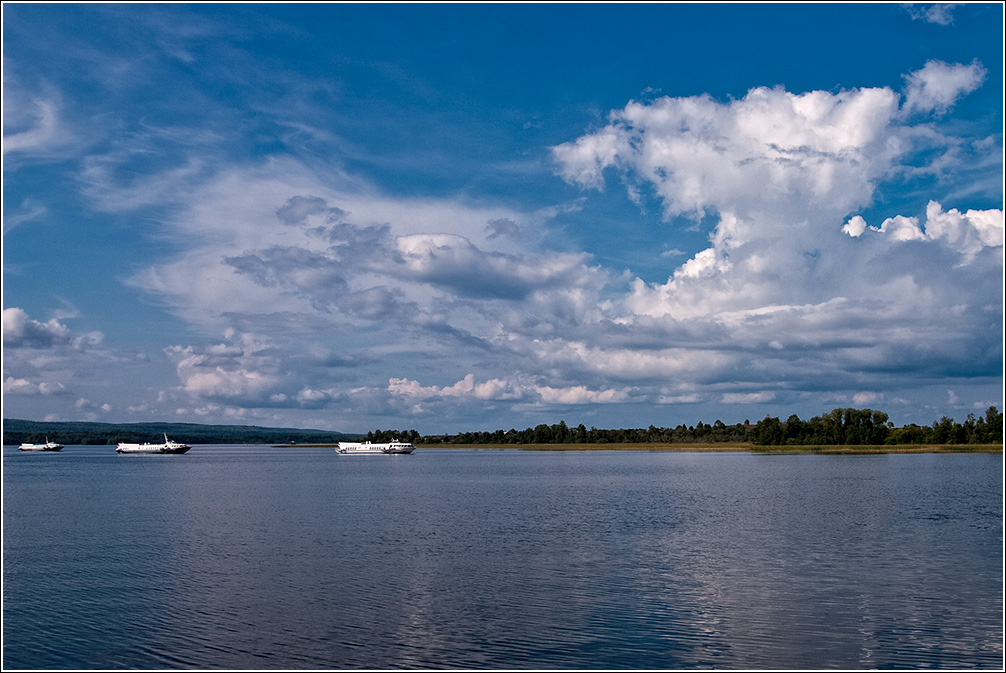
(259, 557)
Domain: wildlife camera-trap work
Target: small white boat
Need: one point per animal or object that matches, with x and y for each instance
(167, 447)
(48, 446)
(369, 449)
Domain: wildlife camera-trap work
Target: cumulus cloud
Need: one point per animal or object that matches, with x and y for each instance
(771, 148)
(242, 370)
(938, 85)
(899, 228)
(967, 233)
(91, 408)
(17, 386)
(492, 389)
(781, 170)
(581, 395)
(20, 331)
(45, 362)
(501, 389)
(791, 279)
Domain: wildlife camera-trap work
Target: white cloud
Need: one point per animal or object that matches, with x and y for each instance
(898, 228)
(20, 331)
(902, 228)
(938, 85)
(28, 211)
(863, 399)
(469, 389)
(91, 408)
(855, 226)
(967, 233)
(581, 395)
(769, 149)
(37, 127)
(18, 386)
(492, 389)
(277, 240)
(937, 12)
(242, 370)
(583, 161)
(782, 171)
(792, 279)
(36, 122)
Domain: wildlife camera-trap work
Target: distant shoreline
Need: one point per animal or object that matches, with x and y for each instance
(711, 448)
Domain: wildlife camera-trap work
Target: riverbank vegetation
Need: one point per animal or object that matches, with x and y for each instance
(840, 427)
(748, 448)
(857, 427)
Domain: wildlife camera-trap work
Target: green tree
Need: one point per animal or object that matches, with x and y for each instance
(993, 426)
(769, 431)
(944, 431)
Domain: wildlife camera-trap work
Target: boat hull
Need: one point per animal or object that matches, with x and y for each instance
(151, 449)
(167, 447)
(40, 448)
(369, 449)
(348, 452)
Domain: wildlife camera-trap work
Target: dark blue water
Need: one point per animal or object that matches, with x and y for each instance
(259, 557)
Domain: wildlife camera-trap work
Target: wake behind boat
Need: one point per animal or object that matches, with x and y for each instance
(369, 449)
(48, 446)
(167, 447)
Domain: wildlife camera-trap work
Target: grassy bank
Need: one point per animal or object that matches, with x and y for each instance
(894, 448)
(735, 447)
(712, 446)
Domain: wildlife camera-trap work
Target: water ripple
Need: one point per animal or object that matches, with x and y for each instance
(497, 560)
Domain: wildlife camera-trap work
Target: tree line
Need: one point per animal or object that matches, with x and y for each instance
(16, 431)
(839, 427)
(868, 427)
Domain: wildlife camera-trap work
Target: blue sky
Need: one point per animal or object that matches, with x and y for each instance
(470, 217)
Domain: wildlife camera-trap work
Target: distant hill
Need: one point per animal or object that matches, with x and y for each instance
(16, 431)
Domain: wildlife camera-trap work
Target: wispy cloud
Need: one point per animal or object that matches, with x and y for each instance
(34, 123)
(335, 245)
(941, 13)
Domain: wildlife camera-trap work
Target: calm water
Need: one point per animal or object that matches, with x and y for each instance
(255, 557)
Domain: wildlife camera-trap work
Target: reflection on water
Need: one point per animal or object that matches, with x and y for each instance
(254, 557)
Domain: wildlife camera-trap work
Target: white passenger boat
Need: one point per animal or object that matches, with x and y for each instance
(167, 447)
(369, 449)
(48, 446)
